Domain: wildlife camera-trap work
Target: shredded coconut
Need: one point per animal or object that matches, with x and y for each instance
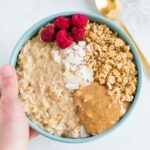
(83, 132)
(76, 73)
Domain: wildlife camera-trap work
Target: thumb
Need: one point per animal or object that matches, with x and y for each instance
(8, 83)
(14, 129)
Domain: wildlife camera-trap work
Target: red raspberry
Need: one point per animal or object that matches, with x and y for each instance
(78, 34)
(63, 39)
(62, 23)
(79, 20)
(48, 33)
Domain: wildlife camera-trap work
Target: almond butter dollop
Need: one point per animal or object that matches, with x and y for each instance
(97, 110)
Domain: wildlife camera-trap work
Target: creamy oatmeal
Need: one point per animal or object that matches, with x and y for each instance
(42, 91)
(76, 88)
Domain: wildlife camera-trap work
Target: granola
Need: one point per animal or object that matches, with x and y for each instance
(112, 61)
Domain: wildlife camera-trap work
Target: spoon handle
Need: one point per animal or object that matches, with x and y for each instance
(144, 60)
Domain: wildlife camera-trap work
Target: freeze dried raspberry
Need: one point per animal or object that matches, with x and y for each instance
(48, 33)
(63, 39)
(79, 20)
(62, 23)
(78, 34)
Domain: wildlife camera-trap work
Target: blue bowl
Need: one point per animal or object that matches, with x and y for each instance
(33, 31)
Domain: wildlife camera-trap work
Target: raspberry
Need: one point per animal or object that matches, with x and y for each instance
(79, 20)
(48, 33)
(62, 23)
(78, 34)
(63, 39)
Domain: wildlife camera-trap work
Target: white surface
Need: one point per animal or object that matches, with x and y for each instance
(16, 16)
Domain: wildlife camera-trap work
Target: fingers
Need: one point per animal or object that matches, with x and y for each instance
(33, 134)
(8, 83)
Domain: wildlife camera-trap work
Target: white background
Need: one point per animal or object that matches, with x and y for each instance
(16, 16)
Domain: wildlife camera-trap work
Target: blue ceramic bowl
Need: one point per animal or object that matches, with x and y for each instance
(35, 28)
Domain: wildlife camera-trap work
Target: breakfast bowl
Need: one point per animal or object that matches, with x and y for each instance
(35, 29)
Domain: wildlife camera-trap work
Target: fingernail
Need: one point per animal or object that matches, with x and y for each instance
(6, 71)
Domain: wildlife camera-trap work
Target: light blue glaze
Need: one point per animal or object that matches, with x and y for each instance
(35, 28)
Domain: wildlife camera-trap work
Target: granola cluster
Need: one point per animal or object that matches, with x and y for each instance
(112, 61)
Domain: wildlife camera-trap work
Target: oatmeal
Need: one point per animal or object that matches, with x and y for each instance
(76, 77)
(42, 91)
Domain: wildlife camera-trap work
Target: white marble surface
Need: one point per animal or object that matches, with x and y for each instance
(17, 16)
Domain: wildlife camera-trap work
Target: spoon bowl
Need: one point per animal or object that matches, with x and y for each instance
(108, 8)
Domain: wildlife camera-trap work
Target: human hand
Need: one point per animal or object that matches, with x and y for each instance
(14, 127)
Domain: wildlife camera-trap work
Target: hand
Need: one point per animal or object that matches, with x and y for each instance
(14, 127)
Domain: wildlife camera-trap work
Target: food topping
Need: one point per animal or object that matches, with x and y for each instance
(97, 110)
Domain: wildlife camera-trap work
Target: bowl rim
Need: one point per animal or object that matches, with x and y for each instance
(98, 18)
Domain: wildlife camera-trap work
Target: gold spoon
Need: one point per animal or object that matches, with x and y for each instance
(111, 9)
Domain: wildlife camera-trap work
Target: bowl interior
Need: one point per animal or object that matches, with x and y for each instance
(94, 17)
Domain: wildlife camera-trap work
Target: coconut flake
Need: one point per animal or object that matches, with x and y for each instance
(56, 56)
(76, 73)
(83, 132)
